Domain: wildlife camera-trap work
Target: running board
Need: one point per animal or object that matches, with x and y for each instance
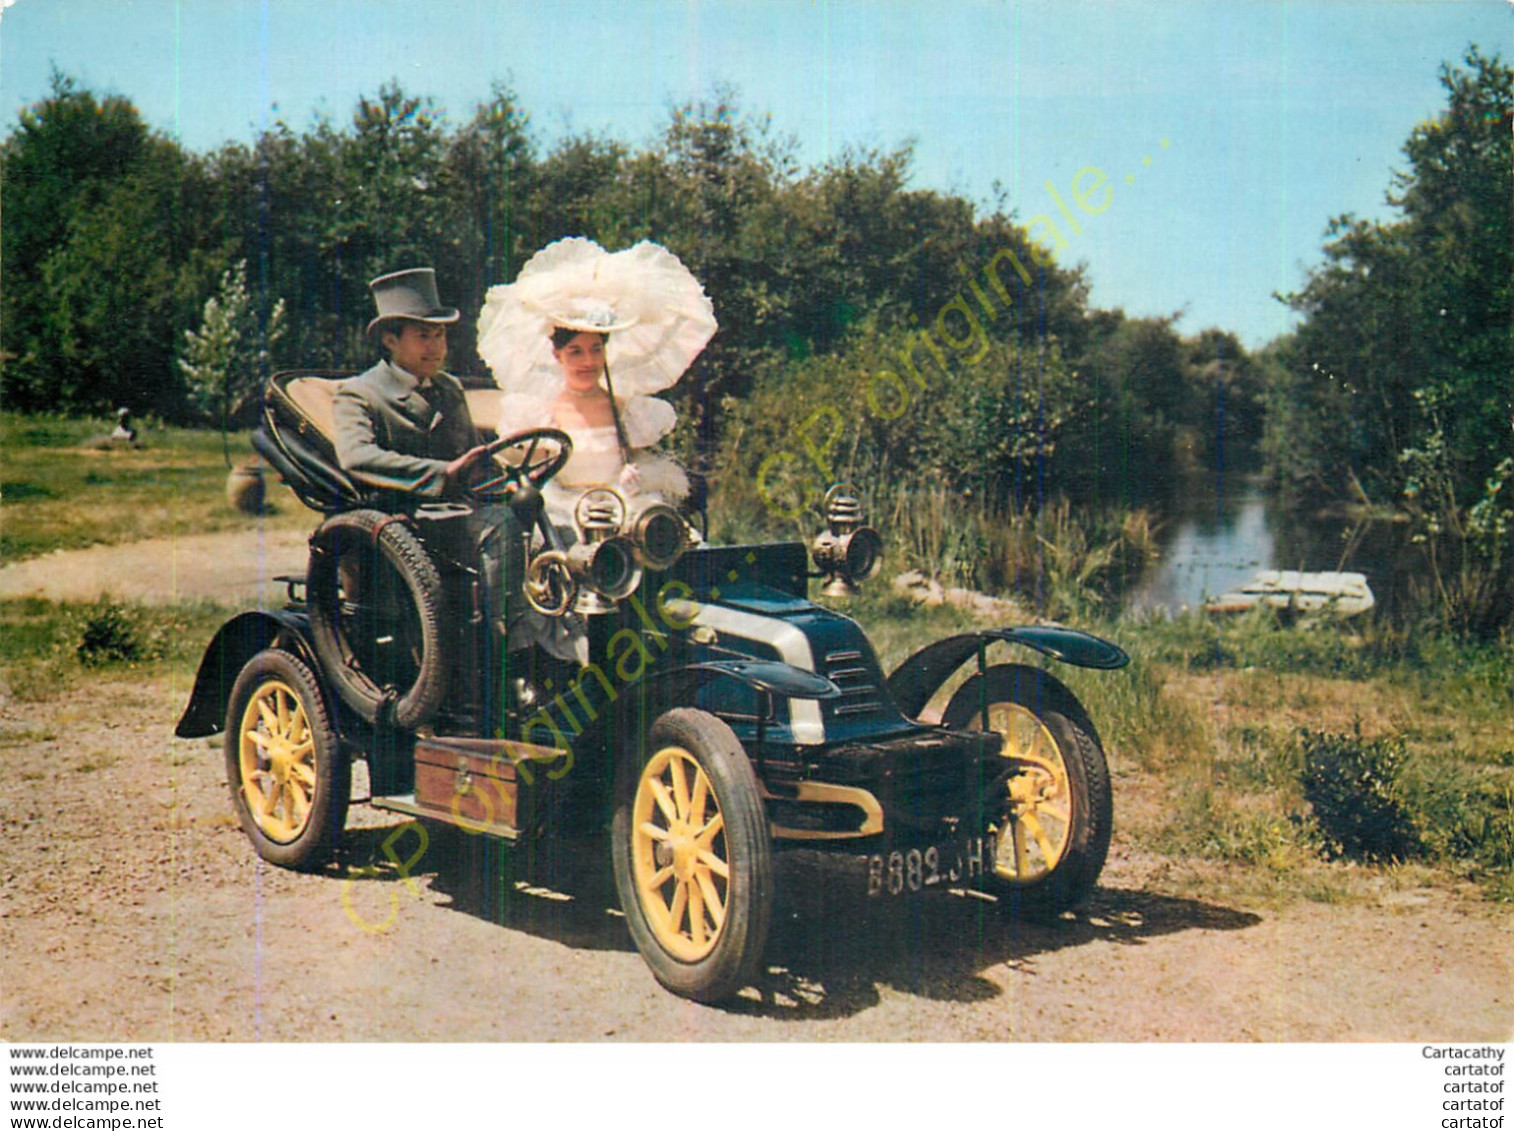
(405, 803)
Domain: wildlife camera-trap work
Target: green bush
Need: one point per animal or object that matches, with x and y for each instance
(110, 633)
(1355, 787)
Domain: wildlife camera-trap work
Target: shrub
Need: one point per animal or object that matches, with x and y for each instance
(108, 633)
(1355, 787)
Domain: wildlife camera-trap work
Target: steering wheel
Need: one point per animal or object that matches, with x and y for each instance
(534, 468)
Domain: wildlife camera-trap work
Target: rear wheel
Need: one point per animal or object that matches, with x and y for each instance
(1051, 810)
(693, 862)
(290, 782)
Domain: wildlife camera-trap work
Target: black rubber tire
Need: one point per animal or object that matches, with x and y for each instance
(1076, 870)
(734, 954)
(383, 653)
(274, 678)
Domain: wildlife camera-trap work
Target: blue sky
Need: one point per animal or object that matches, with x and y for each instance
(1277, 116)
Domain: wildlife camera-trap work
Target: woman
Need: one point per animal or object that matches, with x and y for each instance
(580, 341)
(611, 436)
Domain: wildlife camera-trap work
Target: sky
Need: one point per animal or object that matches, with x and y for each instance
(1230, 132)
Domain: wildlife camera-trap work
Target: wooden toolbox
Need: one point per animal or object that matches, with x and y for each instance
(475, 782)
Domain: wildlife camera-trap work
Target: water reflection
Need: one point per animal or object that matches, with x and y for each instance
(1219, 530)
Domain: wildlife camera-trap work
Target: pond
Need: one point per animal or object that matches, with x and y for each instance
(1219, 530)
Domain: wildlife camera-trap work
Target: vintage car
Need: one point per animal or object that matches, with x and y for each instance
(727, 729)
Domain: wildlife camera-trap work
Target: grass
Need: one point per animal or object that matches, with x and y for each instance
(57, 492)
(47, 644)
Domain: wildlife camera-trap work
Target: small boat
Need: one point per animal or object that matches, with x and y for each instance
(1298, 592)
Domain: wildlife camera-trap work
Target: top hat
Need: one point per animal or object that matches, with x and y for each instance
(409, 294)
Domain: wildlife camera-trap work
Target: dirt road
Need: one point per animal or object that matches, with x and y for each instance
(234, 569)
(132, 907)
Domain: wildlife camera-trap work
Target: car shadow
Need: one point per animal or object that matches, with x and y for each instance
(559, 888)
(832, 963)
(827, 956)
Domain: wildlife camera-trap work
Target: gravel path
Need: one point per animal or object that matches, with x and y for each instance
(132, 907)
(234, 568)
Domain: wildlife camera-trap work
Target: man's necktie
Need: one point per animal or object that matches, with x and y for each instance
(433, 397)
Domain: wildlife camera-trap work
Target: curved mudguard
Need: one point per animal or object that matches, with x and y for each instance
(677, 685)
(239, 639)
(771, 676)
(660, 691)
(918, 678)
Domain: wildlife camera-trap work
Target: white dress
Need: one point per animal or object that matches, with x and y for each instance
(596, 462)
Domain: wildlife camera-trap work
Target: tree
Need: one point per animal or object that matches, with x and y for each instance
(57, 169)
(1418, 303)
(1400, 372)
(226, 361)
(122, 284)
(487, 183)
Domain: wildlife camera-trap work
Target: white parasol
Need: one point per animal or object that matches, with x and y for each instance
(656, 314)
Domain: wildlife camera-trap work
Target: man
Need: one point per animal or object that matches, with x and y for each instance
(404, 424)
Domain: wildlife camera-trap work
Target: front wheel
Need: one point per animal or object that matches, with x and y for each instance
(1050, 809)
(693, 862)
(290, 781)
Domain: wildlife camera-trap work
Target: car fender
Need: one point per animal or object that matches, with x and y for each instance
(677, 686)
(238, 640)
(917, 679)
(772, 676)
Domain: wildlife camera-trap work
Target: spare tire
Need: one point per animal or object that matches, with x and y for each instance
(375, 601)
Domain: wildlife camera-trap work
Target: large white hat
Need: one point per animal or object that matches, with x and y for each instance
(656, 314)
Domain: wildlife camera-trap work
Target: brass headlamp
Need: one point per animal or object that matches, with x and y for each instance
(848, 551)
(658, 533)
(604, 560)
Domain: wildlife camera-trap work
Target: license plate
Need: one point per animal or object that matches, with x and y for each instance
(907, 870)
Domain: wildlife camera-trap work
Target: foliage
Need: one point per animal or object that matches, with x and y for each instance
(1355, 787)
(1421, 302)
(225, 361)
(108, 633)
(103, 251)
(116, 241)
(1469, 550)
(208, 360)
(883, 411)
(1063, 563)
(50, 647)
(1397, 378)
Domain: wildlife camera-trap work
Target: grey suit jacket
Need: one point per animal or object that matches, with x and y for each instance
(389, 435)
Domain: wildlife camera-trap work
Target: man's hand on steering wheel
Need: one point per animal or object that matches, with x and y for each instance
(455, 472)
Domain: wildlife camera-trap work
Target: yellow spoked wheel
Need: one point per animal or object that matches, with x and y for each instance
(1035, 823)
(678, 854)
(288, 777)
(693, 861)
(1050, 810)
(276, 761)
